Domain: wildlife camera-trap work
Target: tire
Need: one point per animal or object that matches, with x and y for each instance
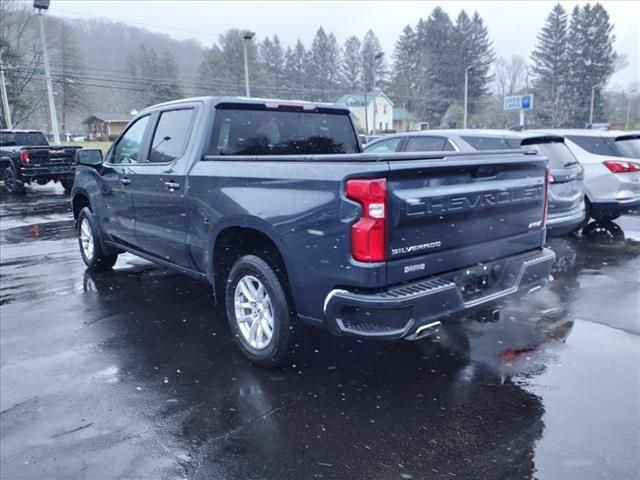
(11, 182)
(90, 244)
(67, 184)
(256, 301)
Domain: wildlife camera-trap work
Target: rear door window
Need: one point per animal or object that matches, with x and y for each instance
(172, 133)
(385, 146)
(427, 144)
(281, 132)
(595, 145)
(488, 143)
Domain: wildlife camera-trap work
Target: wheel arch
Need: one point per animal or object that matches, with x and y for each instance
(235, 240)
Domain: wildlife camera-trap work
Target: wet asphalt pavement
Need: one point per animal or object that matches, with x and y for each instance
(133, 374)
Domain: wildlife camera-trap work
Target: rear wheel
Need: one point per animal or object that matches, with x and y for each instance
(11, 182)
(89, 241)
(258, 312)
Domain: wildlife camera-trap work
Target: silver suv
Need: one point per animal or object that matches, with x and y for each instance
(611, 160)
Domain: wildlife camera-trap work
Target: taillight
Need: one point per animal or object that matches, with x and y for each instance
(369, 233)
(552, 179)
(24, 156)
(618, 166)
(547, 181)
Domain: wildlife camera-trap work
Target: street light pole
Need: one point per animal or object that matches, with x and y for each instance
(466, 95)
(377, 56)
(626, 123)
(47, 74)
(247, 37)
(593, 94)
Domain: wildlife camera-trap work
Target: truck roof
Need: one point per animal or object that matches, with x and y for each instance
(253, 101)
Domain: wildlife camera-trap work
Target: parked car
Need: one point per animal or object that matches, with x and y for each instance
(566, 195)
(274, 204)
(26, 156)
(612, 179)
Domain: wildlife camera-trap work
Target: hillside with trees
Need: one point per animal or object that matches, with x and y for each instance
(103, 66)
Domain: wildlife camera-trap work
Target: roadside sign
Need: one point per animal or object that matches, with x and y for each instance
(518, 102)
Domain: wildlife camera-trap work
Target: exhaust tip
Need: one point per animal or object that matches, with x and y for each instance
(425, 331)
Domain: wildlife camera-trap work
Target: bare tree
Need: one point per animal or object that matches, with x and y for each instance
(510, 75)
(22, 59)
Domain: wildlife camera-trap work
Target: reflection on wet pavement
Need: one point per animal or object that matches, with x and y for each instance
(133, 374)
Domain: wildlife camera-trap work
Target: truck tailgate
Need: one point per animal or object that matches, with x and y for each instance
(51, 155)
(450, 213)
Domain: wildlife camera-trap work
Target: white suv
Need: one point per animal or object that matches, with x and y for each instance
(611, 161)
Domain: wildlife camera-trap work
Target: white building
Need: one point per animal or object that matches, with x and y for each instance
(361, 105)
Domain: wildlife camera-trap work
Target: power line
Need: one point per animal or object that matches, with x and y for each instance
(127, 21)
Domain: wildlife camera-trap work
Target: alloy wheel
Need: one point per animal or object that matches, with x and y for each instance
(254, 312)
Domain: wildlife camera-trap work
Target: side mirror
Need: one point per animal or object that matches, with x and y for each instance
(91, 157)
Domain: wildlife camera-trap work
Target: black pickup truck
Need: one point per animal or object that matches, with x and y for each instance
(275, 205)
(26, 156)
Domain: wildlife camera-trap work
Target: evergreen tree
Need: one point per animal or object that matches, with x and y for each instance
(436, 71)
(372, 65)
(324, 66)
(351, 67)
(272, 67)
(591, 60)
(222, 69)
(453, 117)
(403, 82)
(157, 77)
(551, 70)
(295, 72)
(478, 53)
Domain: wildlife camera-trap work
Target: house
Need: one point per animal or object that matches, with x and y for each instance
(361, 106)
(405, 121)
(100, 126)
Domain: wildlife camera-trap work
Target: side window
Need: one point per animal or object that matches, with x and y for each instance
(390, 145)
(170, 138)
(128, 146)
(426, 144)
(488, 143)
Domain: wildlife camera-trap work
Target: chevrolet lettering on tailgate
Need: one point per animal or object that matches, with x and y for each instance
(471, 201)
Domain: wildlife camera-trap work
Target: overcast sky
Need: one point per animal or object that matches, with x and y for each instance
(512, 25)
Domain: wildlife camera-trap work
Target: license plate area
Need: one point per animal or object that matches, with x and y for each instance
(476, 281)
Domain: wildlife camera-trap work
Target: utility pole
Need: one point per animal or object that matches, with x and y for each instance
(377, 56)
(466, 95)
(44, 5)
(247, 38)
(5, 99)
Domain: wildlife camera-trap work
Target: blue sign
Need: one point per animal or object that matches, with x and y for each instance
(518, 102)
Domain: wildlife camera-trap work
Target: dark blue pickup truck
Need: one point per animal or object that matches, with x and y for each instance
(275, 205)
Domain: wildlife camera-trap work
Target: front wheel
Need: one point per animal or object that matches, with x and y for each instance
(89, 240)
(258, 312)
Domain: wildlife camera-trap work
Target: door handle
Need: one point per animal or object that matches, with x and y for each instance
(171, 186)
(125, 181)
